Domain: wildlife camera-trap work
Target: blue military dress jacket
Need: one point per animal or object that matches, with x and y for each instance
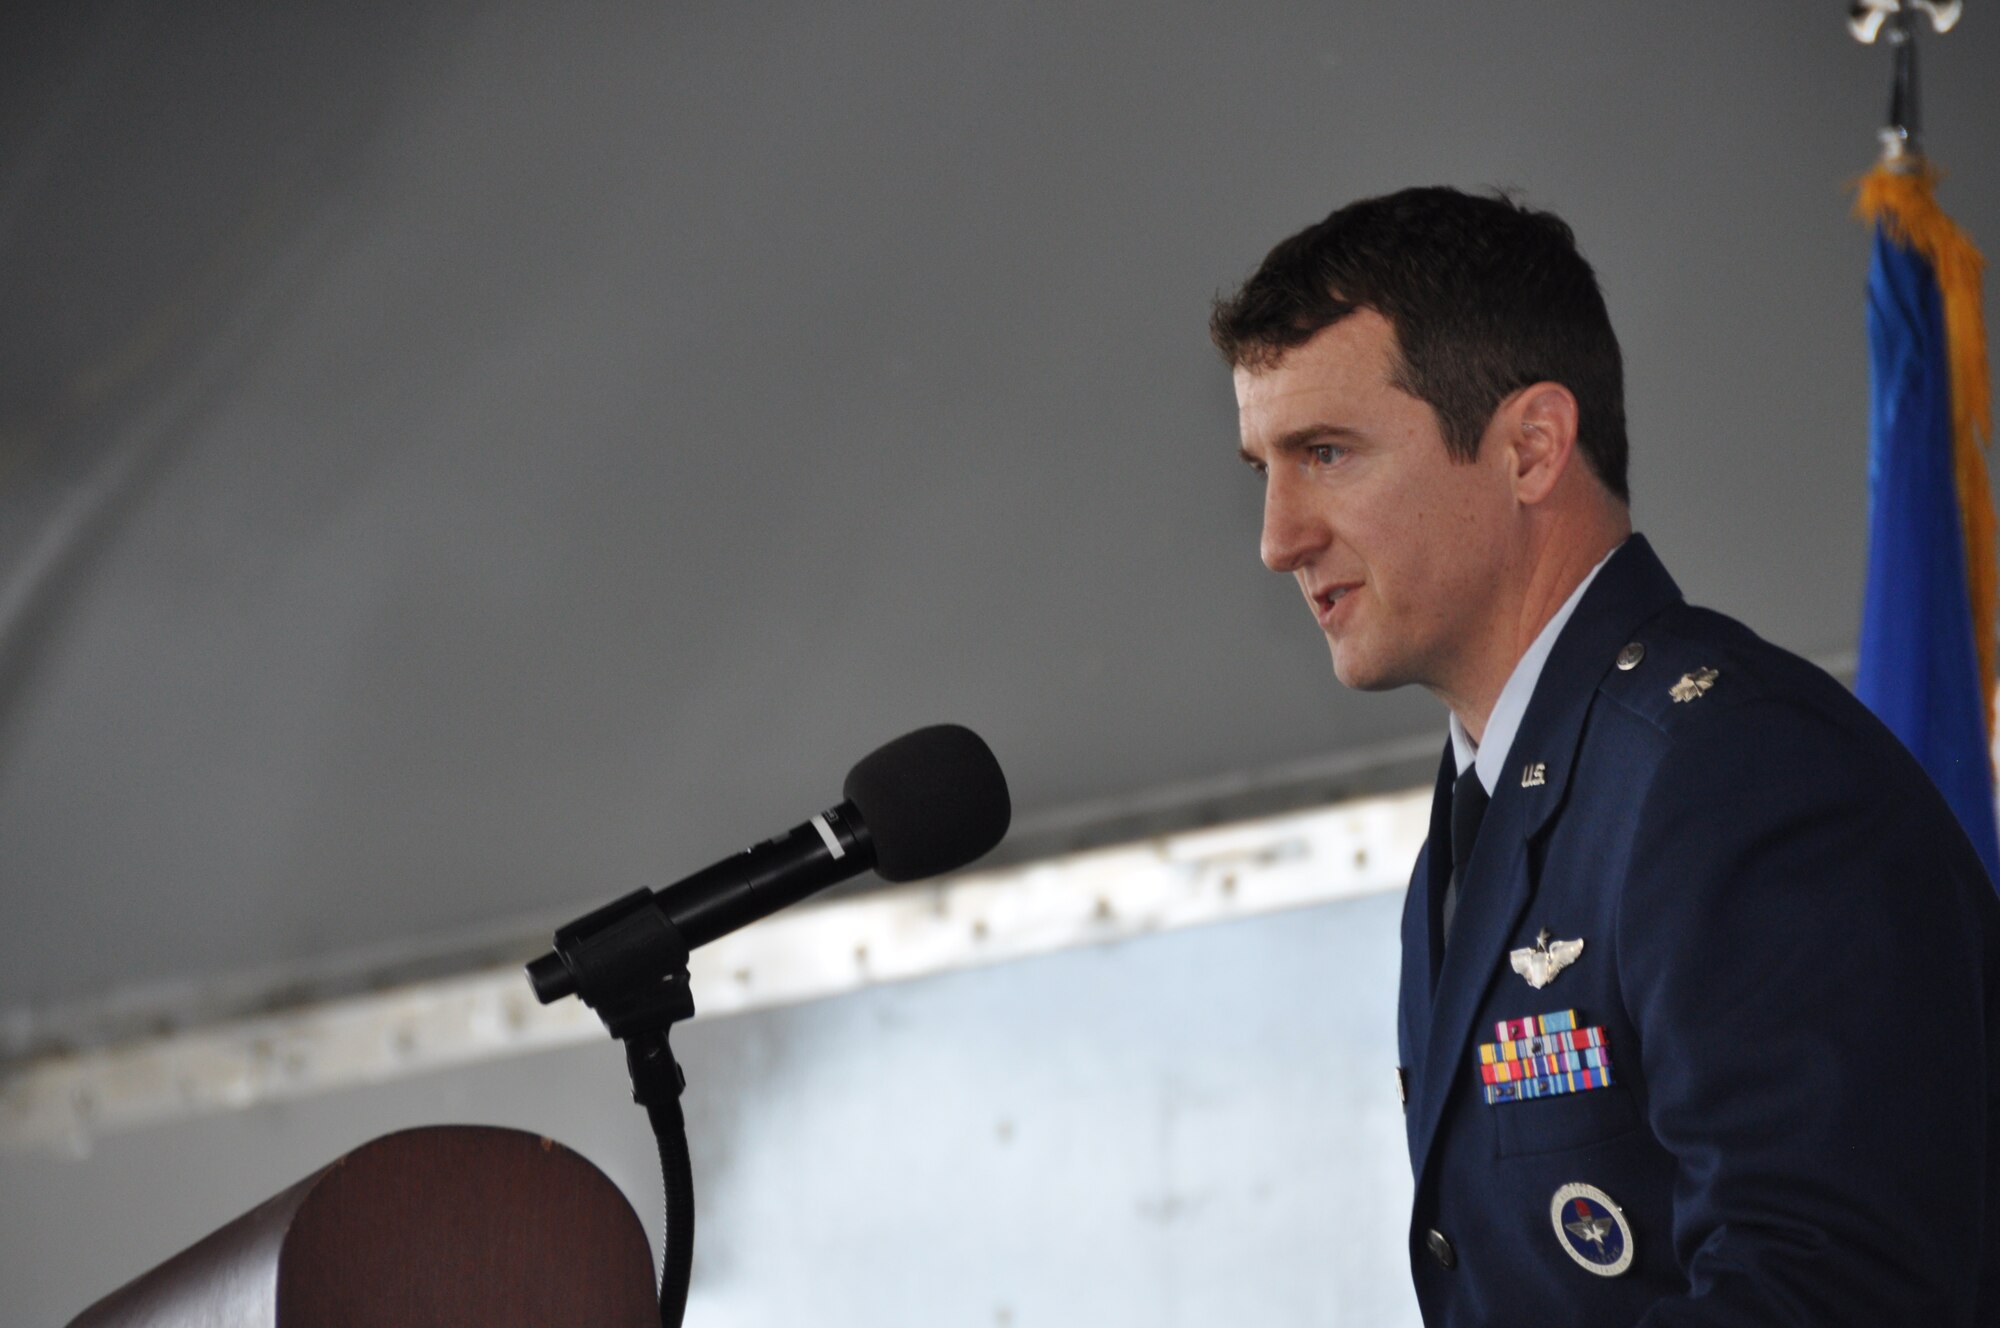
(1789, 976)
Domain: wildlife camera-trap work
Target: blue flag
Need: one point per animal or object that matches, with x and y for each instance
(1919, 666)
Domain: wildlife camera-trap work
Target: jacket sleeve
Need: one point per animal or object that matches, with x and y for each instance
(1800, 953)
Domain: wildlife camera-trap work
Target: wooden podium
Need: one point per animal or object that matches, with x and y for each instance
(450, 1226)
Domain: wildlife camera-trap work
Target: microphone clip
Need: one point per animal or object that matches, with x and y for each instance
(628, 962)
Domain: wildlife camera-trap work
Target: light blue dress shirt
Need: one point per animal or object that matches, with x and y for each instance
(1491, 755)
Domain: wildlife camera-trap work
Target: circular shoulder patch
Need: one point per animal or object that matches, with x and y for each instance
(1592, 1228)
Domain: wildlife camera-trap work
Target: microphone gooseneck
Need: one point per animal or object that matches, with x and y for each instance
(929, 802)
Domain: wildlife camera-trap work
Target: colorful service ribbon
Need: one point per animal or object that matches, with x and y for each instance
(1543, 1055)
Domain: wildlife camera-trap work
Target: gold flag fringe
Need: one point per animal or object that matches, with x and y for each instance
(1904, 203)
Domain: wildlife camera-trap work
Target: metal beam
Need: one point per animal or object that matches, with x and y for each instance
(63, 1100)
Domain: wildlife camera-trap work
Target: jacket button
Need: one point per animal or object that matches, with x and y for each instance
(1441, 1249)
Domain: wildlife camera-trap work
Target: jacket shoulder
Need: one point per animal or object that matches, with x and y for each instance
(1745, 724)
(1689, 668)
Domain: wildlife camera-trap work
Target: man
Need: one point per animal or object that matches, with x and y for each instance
(1700, 1003)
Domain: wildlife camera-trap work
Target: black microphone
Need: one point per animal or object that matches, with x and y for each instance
(928, 802)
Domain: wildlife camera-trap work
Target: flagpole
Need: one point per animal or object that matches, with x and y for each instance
(1902, 149)
(1894, 22)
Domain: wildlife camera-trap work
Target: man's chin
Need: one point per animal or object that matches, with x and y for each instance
(1358, 673)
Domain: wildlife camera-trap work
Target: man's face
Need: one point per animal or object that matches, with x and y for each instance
(1398, 549)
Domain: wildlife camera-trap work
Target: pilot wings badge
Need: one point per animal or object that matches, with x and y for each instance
(1539, 963)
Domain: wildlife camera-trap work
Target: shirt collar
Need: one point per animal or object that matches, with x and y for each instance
(1512, 706)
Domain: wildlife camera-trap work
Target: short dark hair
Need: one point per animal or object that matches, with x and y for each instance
(1485, 295)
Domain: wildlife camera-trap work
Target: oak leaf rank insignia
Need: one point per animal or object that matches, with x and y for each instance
(1693, 684)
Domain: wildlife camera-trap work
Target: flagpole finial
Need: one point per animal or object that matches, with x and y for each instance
(1892, 22)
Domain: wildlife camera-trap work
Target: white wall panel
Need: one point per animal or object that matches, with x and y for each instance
(1191, 1128)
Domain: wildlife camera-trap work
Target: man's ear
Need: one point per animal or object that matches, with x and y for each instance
(1542, 424)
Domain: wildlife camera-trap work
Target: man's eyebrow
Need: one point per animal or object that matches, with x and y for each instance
(1298, 440)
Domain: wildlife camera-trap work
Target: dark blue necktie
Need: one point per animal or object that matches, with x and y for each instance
(1468, 808)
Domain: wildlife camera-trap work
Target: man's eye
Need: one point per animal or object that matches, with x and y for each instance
(1323, 454)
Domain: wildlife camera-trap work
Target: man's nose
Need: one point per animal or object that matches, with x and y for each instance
(1292, 534)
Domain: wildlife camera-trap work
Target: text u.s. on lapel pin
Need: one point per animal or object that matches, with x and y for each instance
(1534, 775)
(1539, 963)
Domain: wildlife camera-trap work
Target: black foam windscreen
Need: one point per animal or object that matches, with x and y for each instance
(933, 800)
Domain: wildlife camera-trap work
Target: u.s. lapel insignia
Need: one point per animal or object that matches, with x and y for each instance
(1693, 684)
(1592, 1229)
(1539, 963)
(1534, 775)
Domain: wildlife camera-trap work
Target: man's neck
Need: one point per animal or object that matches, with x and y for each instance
(1552, 578)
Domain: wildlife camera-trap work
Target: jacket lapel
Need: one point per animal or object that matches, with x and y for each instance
(1434, 874)
(1421, 950)
(1490, 900)
(1632, 588)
